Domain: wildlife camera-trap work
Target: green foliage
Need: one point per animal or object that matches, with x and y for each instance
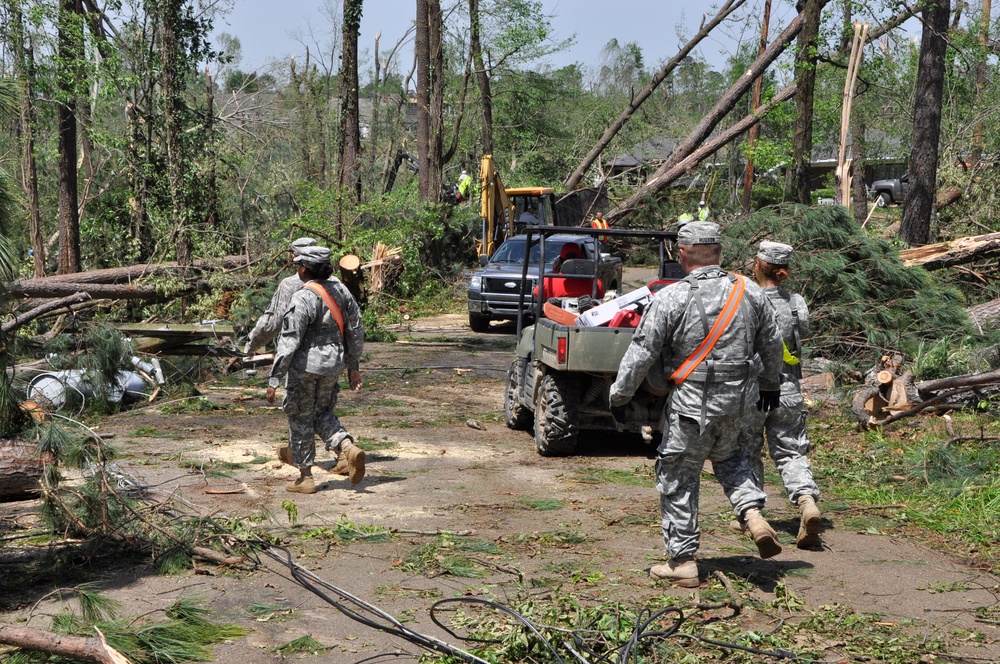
(862, 300)
(302, 645)
(448, 554)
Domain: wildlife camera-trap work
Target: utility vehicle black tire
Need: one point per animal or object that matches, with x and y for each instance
(479, 323)
(516, 415)
(883, 200)
(557, 415)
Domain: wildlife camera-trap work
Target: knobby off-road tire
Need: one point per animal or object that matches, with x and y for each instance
(479, 323)
(515, 414)
(557, 415)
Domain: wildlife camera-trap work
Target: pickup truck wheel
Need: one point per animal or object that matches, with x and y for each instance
(883, 200)
(557, 416)
(479, 323)
(516, 416)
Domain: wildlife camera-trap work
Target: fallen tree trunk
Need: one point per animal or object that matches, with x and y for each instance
(43, 309)
(117, 275)
(985, 314)
(20, 470)
(896, 397)
(637, 100)
(62, 645)
(700, 134)
(969, 380)
(42, 288)
(953, 252)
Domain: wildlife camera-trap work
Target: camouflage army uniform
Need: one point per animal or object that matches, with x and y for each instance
(269, 324)
(786, 425)
(312, 353)
(705, 413)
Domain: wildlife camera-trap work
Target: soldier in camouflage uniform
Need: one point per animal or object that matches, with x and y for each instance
(269, 323)
(785, 426)
(313, 350)
(706, 412)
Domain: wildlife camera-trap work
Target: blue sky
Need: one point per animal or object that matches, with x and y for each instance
(268, 30)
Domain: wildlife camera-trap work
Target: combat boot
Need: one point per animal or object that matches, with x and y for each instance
(285, 454)
(809, 523)
(342, 467)
(302, 485)
(762, 533)
(355, 463)
(682, 571)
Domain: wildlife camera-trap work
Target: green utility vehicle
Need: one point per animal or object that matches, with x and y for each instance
(559, 382)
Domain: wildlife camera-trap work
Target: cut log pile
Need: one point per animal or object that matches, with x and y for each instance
(893, 395)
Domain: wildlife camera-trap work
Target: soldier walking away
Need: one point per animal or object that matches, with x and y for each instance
(785, 426)
(710, 332)
(269, 323)
(321, 335)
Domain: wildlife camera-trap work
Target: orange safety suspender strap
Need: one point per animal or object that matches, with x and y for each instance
(721, 323)
(330, 304)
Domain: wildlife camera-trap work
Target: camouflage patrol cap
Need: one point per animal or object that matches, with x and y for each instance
(775, 253)
(699, 232)
(298, 244)
(312, 255)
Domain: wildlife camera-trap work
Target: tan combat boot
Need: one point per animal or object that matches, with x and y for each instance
(681, 571)
(342, 467)
(809, 524)
(762, 533)
(285, 454)
(355, 463)
(302, 485)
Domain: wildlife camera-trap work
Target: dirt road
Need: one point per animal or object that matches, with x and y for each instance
(457, 491)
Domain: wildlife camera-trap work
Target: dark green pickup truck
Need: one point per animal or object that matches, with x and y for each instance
(559, 381)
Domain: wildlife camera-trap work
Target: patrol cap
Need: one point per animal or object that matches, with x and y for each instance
(699, 232)
(298, 244)
(312, 255)
(775, 253)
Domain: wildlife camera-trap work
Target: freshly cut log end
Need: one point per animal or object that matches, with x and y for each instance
(20, 470)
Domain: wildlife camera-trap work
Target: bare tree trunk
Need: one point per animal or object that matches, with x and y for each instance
(858, 188)
(212, 204)
(482, 77)
(573, 180)
(422, 51)
(754, 105)
(805, 77)
(429, 53)
(172, 109)
(915, 228)
(24, 66)
(349, 175)
(979, 132)
(70, 51)
(700, 134)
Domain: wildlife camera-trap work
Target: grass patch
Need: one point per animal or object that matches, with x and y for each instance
(150, 432)
(192, 405)
(270, 613)
(449, 555)
(304, 645)
(376, 445)
(541, 504)
(556, 538)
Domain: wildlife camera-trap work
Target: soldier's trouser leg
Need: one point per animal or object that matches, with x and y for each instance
(328, 425)
(789, 445)
(732, 465)
(299, 405)
(678, 471)
(752, 443)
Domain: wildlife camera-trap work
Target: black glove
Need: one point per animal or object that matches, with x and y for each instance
(620, 413)
(769, 400)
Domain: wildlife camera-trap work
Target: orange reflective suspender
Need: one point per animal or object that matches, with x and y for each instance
(330, 304)
(706, 346)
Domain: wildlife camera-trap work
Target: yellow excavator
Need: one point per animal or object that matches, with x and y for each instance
(505, 212)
